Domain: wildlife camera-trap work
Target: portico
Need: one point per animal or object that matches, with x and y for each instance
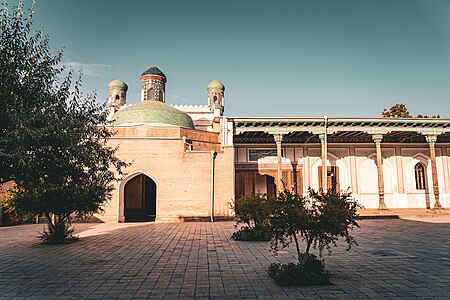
(375, 158)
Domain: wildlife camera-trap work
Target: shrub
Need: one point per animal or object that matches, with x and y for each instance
(313, 273)
(252, 234)
(61, 234)
(253, 211)
(319, 220)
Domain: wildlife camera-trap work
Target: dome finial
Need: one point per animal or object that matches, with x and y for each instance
(153, 85)
(215, 85)
(117, 95)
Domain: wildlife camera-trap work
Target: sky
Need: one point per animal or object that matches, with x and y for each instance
(346, 58)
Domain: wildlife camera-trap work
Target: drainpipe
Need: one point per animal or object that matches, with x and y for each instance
(213, 155)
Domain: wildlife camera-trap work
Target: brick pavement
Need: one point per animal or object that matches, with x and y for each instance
(396, 259)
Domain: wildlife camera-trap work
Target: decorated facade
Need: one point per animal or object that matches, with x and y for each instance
(193, 162)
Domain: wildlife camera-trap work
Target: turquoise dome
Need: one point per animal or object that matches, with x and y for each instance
(152, 111)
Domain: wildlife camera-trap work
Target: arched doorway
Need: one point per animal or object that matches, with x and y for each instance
(140, 199)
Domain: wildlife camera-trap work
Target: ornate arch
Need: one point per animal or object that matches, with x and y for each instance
(121, 206)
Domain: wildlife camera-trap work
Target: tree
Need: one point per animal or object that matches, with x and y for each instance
(253, 210)
(319, 220)
(428, 116)
(53, 142)
(399, 110)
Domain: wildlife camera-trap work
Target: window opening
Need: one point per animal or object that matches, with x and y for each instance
(419, 171)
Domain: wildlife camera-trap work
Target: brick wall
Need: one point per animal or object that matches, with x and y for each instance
(183, 178)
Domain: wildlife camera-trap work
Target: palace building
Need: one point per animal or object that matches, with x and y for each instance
(193, 162)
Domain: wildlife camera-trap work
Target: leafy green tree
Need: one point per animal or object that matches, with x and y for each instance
(399, 110)
(53, 142)
(253, 210)
(319, 219)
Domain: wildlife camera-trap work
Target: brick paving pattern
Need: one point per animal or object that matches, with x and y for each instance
(396, 259)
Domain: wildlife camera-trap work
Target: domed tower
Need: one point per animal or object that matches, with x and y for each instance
(153, 85)
(117, 93)
(216, 99)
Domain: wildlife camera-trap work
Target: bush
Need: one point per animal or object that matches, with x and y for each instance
(62, 233)
(318, 220)
(313, 273)
(252, 234)
(253, 211)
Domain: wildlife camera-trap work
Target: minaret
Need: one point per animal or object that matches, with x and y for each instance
(117, 94)
(153, 85)
(216, 99)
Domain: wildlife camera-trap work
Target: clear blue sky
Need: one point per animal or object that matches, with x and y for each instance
(276, 58)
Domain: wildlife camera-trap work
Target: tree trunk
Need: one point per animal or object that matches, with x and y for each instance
(298, 248)
(309, 241)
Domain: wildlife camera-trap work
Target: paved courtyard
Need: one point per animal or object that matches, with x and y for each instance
(396, 259)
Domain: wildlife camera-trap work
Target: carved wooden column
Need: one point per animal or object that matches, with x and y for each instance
(377, 139)
(353, 171)
(431, 139)
(278, 138)
(323, 142)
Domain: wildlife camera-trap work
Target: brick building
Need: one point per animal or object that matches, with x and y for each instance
(192, 161)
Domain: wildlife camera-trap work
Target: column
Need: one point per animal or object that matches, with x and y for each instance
(377, 139)
(306, 170)
(431, 139)
(399, 165)
(278, 138)
(323, 142)
(353, 171)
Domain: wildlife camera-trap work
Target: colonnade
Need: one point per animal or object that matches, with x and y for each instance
(377, 138)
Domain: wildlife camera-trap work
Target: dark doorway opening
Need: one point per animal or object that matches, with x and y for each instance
(332, 178)
(140, 199)
(271, 186)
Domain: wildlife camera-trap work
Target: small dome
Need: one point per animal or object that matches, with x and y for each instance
(154, 71)
(119, 84)
(152, 111)
(215, 85)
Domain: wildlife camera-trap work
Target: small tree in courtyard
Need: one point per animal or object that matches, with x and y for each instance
(253, 210)
(53, 142)
(318, 220)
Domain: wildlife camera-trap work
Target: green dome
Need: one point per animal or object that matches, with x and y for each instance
(216, 85)
(152, 111)
(118, 84)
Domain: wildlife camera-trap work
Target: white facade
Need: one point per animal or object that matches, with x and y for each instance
(358, 171)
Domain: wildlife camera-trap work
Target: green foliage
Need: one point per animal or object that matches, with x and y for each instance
(313, 273)
(252, 234)
(428, 117)
(59, 233)
(400, 110)
(319, 219)
(253, 210)
(53, 142)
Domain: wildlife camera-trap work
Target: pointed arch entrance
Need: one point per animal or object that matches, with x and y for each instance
(139, 199)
